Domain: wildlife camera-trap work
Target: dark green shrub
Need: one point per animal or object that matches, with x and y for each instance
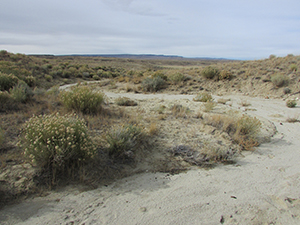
(82, 99)
(210, 72)
(7, 81)
(31, 81)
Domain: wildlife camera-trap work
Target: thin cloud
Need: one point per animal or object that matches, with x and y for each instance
(191, 28)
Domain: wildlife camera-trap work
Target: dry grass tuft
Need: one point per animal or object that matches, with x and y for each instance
(153, 129)
(223, 100)
(244, 103)
(209, 106)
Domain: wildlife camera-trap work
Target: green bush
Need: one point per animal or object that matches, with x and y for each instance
(7, 81)
(56, 142)
(21, 92)
(48, 77)
(280, 80)
(203, 97)
(82, 99)
(210, 72)
(159, 74)
(96, 77)
(293, 67)
(153, 84)
(291, 103)
(123, 142)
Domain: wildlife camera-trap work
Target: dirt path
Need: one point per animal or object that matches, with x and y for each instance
(261, 188)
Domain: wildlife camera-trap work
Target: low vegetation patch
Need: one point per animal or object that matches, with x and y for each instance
(180, 111)
(203, 97)
(123, 101)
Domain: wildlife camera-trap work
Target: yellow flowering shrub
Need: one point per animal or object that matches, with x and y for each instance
(82, 99)
(56, 141)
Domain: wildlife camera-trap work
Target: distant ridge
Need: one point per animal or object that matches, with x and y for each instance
(135, 56)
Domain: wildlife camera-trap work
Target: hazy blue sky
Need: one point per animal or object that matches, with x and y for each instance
(191, 28)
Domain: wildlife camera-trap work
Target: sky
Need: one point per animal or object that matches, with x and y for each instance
(235, 29)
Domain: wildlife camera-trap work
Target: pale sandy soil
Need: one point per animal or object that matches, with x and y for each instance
(262, 187)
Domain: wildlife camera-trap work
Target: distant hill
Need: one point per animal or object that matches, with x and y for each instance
(138, 56)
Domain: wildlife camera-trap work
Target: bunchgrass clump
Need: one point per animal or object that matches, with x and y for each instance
(244, 130)
(82, 99)
(203, 97)
(123, 141)
(280, 80)
(291, 103)
(56, 142)
(1, 137)
(180, 111)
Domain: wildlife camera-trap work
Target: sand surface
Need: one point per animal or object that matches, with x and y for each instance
(263, 187)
